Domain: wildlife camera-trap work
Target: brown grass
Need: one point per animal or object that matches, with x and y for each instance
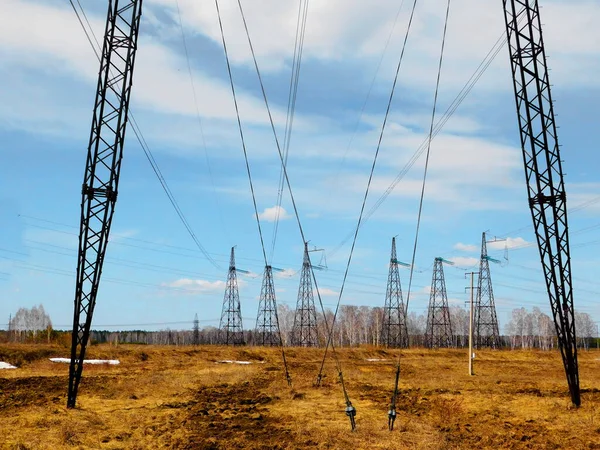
(179, 397)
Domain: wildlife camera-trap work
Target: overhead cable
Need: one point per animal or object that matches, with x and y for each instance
(392, 410)
(291, 109)
(262, 243)
(350, 410)
(147, 152)
(199, 118)
(364, 202)
(463, 93)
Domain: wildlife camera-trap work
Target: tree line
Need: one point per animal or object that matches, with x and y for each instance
(354, 326)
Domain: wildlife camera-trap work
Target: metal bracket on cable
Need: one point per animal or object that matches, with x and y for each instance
(350, 409)
(351, 413)
(392, 411)
(318, 380)
(391, 417)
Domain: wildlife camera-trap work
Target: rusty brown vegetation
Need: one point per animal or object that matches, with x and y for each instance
(181, 398)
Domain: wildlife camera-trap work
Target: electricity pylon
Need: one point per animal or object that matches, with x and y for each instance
(394, 329)
(102, 170)
(230, 326)
(304, 331)
(267, 323)
(196, 331)
(487, 333)
(439, 328)
(543, 172)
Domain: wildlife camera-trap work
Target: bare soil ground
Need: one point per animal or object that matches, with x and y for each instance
(181, 398)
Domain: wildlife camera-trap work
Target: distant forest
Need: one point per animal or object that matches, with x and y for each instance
(354, 326)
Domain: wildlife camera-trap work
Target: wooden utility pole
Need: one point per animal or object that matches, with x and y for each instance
(471, 322)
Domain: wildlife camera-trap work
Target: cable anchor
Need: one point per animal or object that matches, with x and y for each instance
(391, 417)
(351, 413)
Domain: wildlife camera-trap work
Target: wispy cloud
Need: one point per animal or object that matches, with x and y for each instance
(465, 247)
(285, 273)
(510, 243)
(326, 292)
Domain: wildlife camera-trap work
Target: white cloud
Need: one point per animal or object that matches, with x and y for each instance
(584, 197)
(510, 243)
(285, 273)
(274, 213)
(464, 261)
(326, 292)
(249, 274)
(456, 301)
(340, 30)
(497, 167)
(465, 247)
(55, 44)
(196, 286)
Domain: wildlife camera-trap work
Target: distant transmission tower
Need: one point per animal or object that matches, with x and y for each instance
(266, 321)
(439, 329)
(486, 321)
(196, 333)
(230, 327)
(304, 332)
(394, 331)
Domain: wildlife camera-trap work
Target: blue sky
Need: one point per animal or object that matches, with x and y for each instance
(153, 272)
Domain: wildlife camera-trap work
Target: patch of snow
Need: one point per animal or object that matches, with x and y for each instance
(229, 361)
(112, 362)
(375, 359)
(4, 365)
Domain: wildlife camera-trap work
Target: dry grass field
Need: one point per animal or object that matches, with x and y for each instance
(181, 398)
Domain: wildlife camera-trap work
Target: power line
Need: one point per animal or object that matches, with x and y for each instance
(117, 240)
(239, 122)
(392, 411)
(364, 105)
(350, 410)
(148, 153)
(292, 96)
(435, 99)
(208, 165)
(364, 202)
(467, 88)
(158, 268)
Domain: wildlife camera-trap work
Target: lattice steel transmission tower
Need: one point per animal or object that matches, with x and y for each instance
(267, 322)
(304, 331)
(230, 327)
(543, 171)
(439, 328)
(394, 330)
(196, 331)
(486, 329)
(103, 167)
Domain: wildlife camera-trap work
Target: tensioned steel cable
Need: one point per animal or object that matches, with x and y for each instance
(292, 96)
(239, 122)
(368, 96)
(385, 119)
(262, 242)
(147, 152)
(427, 155)
(350, 410)
(460, 97)
(392, 411)
(199, 118)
